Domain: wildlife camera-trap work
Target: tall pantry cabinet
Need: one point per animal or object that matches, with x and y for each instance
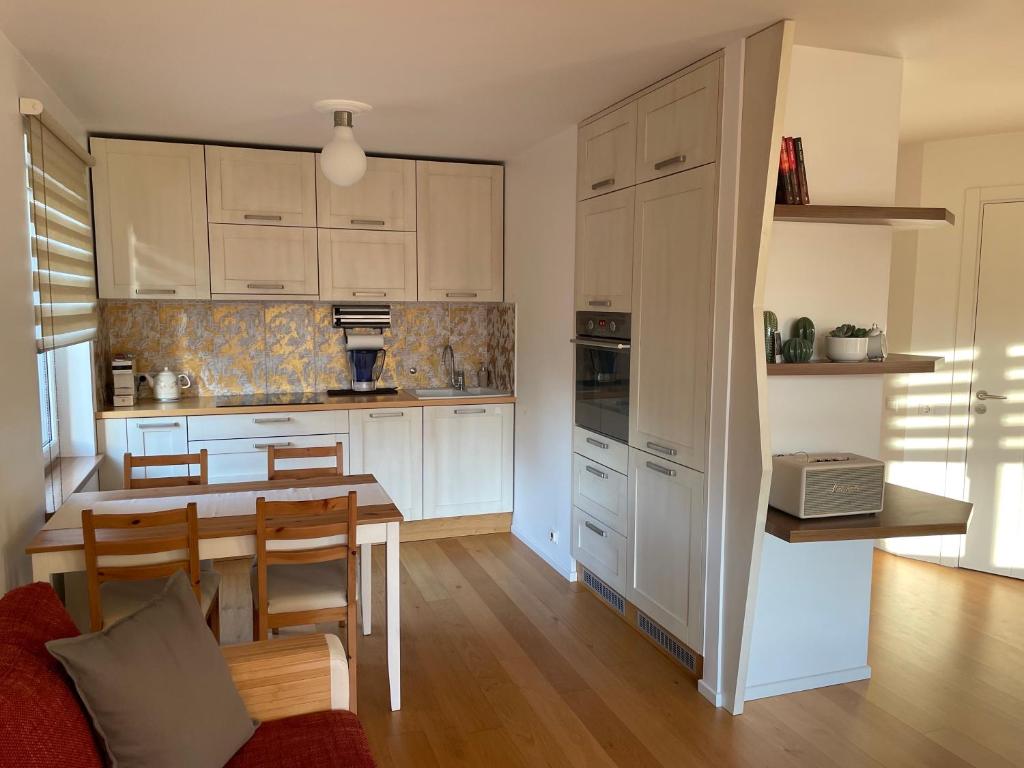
(661, 149)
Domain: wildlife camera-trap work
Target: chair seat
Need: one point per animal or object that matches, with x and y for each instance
(121, 598)
(313, 587)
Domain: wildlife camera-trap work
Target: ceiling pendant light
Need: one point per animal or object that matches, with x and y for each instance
(343, 160)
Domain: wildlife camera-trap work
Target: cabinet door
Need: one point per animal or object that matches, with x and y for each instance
(666, 545)
(158, 437)
(150, 208)
(600, 549)
(459, 231)
(467, 460)
(677, 124)
(672, 285)
(356, 265)
(385, 198)
(388, 444)
(606, 153)
(261, 186)
(604, 252)
(263, 261)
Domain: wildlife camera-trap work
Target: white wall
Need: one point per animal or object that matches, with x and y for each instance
(540, 222)
(21, 461)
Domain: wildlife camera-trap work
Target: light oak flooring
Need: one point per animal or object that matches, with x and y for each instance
(506, 664)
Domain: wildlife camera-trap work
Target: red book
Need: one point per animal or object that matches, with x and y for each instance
(784, 190)
(794, 183)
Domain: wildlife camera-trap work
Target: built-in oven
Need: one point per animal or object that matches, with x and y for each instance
(602, 373)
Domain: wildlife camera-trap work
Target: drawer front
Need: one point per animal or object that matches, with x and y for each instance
(245, 460)
(601, 449)
(600, 549)
(272, 424)
(600, 492)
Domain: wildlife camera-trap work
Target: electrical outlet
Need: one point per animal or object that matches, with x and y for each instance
(553, 536)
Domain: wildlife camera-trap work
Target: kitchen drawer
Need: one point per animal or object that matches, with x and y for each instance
(600, 492)
(245, 459)
(600, 549)
(272, 424)
(601, 449)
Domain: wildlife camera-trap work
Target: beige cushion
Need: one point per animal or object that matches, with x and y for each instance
(313, 587)
(121, 598)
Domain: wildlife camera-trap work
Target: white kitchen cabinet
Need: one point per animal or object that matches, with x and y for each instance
(149, 200)
(244, 459)
(459, 231)
(599, 549)
(666, 545)
(261, 186)
(604, 252)
(606, 153)
(467, 460)
(358, 265)
(388, 444)
(385, 198)
(600, 492)
(157, 437)
(263, 261)
(672, 285)
(677, 124)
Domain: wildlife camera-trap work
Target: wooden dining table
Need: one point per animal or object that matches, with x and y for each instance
(227, 536)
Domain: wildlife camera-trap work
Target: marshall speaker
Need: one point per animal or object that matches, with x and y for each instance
(827, 484)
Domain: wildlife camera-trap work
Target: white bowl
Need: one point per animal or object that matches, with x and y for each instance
(846, 350)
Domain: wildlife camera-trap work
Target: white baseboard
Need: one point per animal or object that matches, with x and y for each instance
(567, 571)
(705, 690)
(765, 690)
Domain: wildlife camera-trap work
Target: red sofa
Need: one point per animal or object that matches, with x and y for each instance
(43, 725)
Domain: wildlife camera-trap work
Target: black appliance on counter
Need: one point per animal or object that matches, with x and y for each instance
(602, 373)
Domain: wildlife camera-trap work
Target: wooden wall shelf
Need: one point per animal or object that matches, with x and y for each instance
(872, 215)
(892, 364)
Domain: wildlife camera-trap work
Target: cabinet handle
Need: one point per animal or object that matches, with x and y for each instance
(162, 291)
(669, 161)
(368, 222)
(161, 425)
(603, 183)
(600, 532)
(264, 446)
(599, 303)
(597, 443)
(387, 415)
(275, 420)
(659, 468)
(267, 286)
(461, 294)
(466, 411)
(374, 294)
(261, 217)
(662, 449)
(598, 472)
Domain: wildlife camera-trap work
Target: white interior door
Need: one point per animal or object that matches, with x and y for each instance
(995, 453)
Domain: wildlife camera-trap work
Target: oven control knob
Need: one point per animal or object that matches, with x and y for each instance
(611, 326)
(590, 325)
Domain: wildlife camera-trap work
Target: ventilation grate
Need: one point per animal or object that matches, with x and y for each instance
(606, 593)
(677, 651)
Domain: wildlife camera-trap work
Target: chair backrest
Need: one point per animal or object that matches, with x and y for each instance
(148, 545)
(274, 454)
(170, 460)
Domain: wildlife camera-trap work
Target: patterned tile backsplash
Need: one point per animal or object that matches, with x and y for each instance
(243, 347)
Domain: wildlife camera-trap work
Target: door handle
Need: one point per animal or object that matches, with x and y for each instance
(659, 468)
(595, 529)
(266, 286)
(461, 294)
(261, 217)
(983, 395)
(277, 420)
(467, 411)
(597, 443)
(599, 303)
(603, 183)
(161, 425)
(669, 161)
(371, 294)
(161, 291)
(662, 449)
(598, 472)
(264, 446)
(386, 415)
(368, 222)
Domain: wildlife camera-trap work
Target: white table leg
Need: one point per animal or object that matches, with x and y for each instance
(394, 618)
(365, 593)
(235, 599)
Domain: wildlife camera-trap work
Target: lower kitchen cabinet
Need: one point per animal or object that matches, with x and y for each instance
(467, 460)
(244, 459)
(666, 545)
(388, 443)
(154, 437)
(599, 549)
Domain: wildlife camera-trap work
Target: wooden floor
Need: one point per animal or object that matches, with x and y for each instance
(505, 664)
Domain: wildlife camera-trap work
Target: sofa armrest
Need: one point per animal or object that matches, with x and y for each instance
(290, 676)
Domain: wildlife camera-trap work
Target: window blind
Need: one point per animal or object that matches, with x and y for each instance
(63, 268)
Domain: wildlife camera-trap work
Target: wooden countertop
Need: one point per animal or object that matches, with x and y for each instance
(906, 513)
(206, 406)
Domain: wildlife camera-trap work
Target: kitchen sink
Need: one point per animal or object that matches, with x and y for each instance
(428, 394)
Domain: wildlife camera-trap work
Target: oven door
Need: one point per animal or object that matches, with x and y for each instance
(602, 386)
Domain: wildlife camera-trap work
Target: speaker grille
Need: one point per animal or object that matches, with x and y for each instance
(838, 491)
(676, 650)
(606, 593)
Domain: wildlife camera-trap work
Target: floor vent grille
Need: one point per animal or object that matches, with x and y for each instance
(677, 651)
(606, 593)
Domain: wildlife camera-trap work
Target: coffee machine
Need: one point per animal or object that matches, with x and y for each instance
(364, 326)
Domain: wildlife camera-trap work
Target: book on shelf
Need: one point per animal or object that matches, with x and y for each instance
(791, 188)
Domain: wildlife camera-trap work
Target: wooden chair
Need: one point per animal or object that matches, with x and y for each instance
(124, 574)
(274, 454)
(171, 460)
(300, 578)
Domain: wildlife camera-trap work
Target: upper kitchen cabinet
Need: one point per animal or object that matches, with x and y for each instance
(385, 198)
(677, 124)
(356, 265)
(149, 201)
(673, 262)
(263, 261)
(459, 231)
(604, 252)
(261, 186)
(606, 152)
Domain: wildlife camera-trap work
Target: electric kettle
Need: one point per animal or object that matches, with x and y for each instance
(167, 384)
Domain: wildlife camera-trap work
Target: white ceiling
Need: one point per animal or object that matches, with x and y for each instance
(474, 78)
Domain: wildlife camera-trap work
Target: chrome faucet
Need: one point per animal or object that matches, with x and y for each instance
(448, 364)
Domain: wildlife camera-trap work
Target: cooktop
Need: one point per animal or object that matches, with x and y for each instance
(270, 398)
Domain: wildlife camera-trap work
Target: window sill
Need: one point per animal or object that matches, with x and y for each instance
(72, 472)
